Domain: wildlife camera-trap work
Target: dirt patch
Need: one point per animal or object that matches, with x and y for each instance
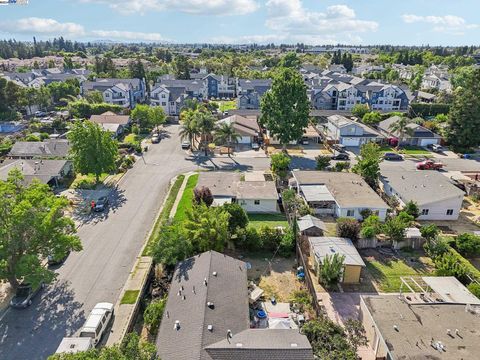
(5, 295)
(276, 277)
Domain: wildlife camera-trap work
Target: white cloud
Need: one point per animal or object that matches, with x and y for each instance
(448, 23)
(200, 7)
(336, 23)
(51, 27)
(42, 26)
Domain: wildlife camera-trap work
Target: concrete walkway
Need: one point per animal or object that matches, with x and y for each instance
(180, 194)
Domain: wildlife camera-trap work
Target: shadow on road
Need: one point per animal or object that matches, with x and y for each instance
(116, 200)
(51, 317)
(212, 163)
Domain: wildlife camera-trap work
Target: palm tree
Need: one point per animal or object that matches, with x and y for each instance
(226, 134)
(205, 124)
(188, 131)
(401, 127)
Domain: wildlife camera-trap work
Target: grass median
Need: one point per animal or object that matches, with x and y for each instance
(187, 198)
(165, 213)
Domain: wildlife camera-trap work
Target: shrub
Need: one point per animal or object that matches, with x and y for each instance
(279, 164)
(429, 232)
(341, 165)
(84, 182)
(249, 239)
(448, 265)
(436, 248)
(395, 227)
(238, 217)
(411, 208)
(270, 237)
(474, 288)
(348, 228)
(371, 227)
(152, 315)
(32, 138)
(331, 270)
(322, 162)
(202, 195)
(365, 213)
(287, 245)
(468, 244)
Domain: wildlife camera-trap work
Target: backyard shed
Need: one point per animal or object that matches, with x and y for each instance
(309, 225)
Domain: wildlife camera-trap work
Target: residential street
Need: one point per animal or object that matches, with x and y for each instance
(111, 243)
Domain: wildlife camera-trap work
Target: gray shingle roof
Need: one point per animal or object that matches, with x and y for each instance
(308, 221)
(263, 344)
(43, 170)
(227, 291)
(323, 246)
(45, 149)
(423, 187)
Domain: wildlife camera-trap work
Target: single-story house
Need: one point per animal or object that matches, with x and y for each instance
(47, 149)
(246, 127)
(339, 129)
(321, 247)
(46, 171)
(339, 194)
(232, 187)
(309, 225)
(420, 136)
(397, 329)
(435, 195)
(112, 122)
(206, 316)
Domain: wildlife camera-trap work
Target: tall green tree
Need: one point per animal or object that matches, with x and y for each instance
(290, 60)
(182, 67)
(32, 227)
(372, 118)
(464, 116)
(368, 165)
(148, 117)
(93, 150)
(226, 134)
(285, 107)
(189, 129)
(279, 163)
(205, 124)
(359, 110)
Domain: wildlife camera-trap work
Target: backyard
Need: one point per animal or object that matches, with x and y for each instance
(226, 105)
(386, 269)
(270, 220)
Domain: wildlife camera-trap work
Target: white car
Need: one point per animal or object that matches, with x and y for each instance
(97, 322)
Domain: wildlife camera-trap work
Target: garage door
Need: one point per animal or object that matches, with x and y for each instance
(244, 140)
(425, 142)
(351, 141)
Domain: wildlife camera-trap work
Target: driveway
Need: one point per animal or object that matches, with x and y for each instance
(111, 242)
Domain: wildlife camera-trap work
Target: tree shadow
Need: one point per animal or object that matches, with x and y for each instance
(212, 163)
(36, 332)
(116, 199)
(303, 163)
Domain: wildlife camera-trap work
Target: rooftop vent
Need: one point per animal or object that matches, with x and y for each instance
(210, 305)
(210, 328)
(395, 327)
(177, 325)
(193, 289)
(214, 273)
(229, 334)
(205, 281)
(294, 345)
(238, 344)
(183, 297)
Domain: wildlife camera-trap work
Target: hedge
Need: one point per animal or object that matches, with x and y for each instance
(424, 110)
(472, 270)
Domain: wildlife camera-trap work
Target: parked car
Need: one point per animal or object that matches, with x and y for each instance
(101, 204)
(185, 145)
(97, 322)
(340, 156)
(435, 148)
(40, 114)
(429, 165)
(155, 139)
(339, 147)
(24, 295)
(255, 146)
(393, 156)
(73, 345)
(57, 260)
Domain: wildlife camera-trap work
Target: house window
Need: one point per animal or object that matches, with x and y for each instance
(256, 202)
(164, 103)
(424, 211)
(350, 212)
(163, 96)
(450, 212)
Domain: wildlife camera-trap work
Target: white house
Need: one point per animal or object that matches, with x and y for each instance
(436, 197)
(253, 195)
(246, 127)
(350, 133)
(419, 135)
(118, 95)
(339, 194)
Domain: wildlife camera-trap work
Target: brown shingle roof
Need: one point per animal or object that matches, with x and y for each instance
(110, 118)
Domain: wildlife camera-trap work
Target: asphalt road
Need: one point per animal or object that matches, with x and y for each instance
(111, 242)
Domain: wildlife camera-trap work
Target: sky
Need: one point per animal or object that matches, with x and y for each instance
(314, 22)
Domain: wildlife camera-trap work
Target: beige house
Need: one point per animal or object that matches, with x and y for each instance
(321, 247)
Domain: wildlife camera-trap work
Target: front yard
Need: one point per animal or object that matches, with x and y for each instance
(386, 270)
(271, 220)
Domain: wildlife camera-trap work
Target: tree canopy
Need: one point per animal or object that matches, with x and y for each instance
(285, 107)
(368, 166)
(93, 150)
(32, 227)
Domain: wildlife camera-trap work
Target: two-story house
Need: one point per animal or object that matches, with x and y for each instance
(219, 86)
(171, 94)
(250, 92)
(123, 92)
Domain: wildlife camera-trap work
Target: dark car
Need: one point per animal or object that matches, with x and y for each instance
(57, 259)
(101, 204)
(339, 147)
(393, 156)
(24, 295)
(340, 156)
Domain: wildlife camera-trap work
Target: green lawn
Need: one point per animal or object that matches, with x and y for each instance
(130, 297)
(226, 105)
(386, 148)
(272, 220)
(87, 182)
(165, 213)
(187, 198)
(414, 150)
(387, 273)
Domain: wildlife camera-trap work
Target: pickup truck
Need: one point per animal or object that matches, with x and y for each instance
(429, 165)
